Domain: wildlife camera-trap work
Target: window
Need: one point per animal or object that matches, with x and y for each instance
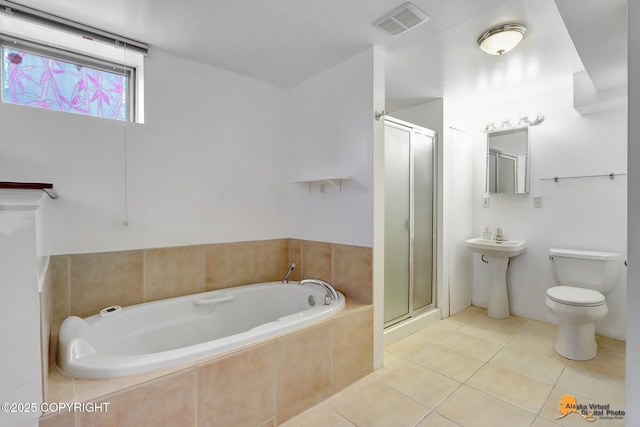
(52, 63)
(45, 80)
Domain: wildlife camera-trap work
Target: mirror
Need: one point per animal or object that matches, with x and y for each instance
(508, 161)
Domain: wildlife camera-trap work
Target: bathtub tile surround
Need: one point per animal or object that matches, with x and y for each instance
(353, 267)
(60, 288)
(103, 279)
(351, 350)
(227, 264)
(295, 256)
(269, 260)
(64, 419)
(173, 404)
(172, 272)
(316, 259)
(302, 384)
(82, 284)
(223, 387)
(259, 385)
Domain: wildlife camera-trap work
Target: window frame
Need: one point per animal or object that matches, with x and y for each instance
(48, 41)
(76, 59)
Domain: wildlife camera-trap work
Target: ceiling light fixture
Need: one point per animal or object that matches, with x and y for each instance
(501, 39)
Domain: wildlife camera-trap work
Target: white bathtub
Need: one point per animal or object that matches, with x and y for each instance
(145, 337)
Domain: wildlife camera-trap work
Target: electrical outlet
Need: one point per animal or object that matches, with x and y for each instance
(486, 202)
(537, 202)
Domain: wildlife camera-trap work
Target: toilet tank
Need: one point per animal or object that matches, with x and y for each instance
(586, 269)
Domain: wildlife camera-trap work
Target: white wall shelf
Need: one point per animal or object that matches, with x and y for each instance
(335, 181)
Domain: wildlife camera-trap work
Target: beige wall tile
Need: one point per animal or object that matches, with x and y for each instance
(64, 419)
(295, 256)
(353, 272)
(103, 279)
(238, 390)
(227, 265)
(172, 272)
(60, 288)
(352, 348)
(303, 372)
(269, 260)
(167, 401)
(316, 260)
(91, 389)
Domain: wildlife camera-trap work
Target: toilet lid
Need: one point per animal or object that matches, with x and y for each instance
(575, 296)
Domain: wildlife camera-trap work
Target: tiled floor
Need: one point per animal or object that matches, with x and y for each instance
(473, 371)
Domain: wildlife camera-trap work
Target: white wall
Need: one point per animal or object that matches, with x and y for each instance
(207, 165)
(459, 218)
(632, 417)
(587, 213)
(330, 133)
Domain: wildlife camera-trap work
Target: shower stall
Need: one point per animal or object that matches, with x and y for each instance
(409, 194)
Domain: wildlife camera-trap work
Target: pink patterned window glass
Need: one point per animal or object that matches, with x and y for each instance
(39, 81)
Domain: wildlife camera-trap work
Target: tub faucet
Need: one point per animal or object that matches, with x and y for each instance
(332, 294)
(286, 276)
(499, 236)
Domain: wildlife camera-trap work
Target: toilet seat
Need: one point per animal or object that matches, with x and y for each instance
(578, 297)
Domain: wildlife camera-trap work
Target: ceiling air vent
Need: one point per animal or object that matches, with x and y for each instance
(401, 19)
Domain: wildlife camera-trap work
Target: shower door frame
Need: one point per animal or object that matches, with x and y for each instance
(400, 124)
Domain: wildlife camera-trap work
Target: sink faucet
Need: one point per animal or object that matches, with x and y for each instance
(499, 236)
(286, 276)
(332, 294)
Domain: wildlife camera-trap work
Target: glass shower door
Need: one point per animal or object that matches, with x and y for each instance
(409, 184)
(397, 161)
(423, 184)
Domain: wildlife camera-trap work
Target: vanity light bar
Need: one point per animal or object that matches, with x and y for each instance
(532, 120)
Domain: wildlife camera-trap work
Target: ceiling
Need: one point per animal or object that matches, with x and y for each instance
(284, 42)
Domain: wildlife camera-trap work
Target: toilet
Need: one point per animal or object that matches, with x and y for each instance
(578, 301)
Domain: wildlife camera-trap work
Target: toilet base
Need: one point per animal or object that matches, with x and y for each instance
(576, 342)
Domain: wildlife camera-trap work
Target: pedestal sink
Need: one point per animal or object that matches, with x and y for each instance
(497, 254)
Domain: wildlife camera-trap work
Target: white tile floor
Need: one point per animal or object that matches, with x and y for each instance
(472, 371)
